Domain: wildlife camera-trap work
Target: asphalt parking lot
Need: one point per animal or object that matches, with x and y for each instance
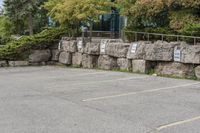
(67, 100)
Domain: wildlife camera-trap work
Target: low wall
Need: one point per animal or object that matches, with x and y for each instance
(171, 59)
(176, 59)
(43, 56)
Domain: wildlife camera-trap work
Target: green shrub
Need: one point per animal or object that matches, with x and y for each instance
(192, 30)
(18, 50)
(6, 29)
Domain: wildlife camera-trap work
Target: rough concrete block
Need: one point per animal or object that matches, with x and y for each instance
(18, 63)
(190, 53)
(69, 46)
(174, 69)
(65, 58)
(197, 72)
(160, 51)
(141, 66)
(137, 50)
(89, 61)
(118, 50)
(107, 62)
(38, 56)
(55, 55)
(77, 59)
(124, 64)
(92, 48)
(3, 64)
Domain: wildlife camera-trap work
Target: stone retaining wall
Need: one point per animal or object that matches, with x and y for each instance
(173, 59)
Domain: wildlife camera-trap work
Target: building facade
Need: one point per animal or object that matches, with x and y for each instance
(110, 22)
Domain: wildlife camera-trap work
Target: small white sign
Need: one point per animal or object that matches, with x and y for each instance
(80, 44)
(134, 48)
(177, 55)
(103, 46)
(59, 45)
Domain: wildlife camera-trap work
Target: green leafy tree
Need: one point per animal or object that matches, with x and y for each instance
(76, 11)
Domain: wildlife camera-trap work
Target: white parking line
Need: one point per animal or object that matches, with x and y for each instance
(178, 123)
(134, 93)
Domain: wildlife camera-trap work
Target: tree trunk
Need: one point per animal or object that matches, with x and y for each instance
(30, 24)
(91, 27)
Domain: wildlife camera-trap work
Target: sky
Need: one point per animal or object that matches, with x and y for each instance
(1, 2)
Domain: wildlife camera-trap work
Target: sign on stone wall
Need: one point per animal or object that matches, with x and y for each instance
(60, 45)
(177, 54)
(80, 44)
(134, 48)
(103, 46)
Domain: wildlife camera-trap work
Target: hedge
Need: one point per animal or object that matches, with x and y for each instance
(19, 50)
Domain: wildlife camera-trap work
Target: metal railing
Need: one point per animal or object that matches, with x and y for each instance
(106, 34)
(162, 36)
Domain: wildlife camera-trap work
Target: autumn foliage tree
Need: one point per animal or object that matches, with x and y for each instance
(177, 16)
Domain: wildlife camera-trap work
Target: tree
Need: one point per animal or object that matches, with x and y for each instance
(22, 12)
(125, 6)
(184, 15)
(76, 11)
(6, 29)
(176, 16)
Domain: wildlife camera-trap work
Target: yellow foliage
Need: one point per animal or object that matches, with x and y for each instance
(77, 10)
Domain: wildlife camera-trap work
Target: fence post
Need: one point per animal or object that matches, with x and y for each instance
(195, 41)
(136, 36)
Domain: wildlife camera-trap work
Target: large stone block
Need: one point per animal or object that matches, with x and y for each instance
(77, 59)
(104, 43)
(65, 58)
(68, 38)
(92, 48)
(69, 46)
(141, 66)
(118, 50)
(160, 51)
(115, 41)
(197, 72)
(124, 64)
(174, 69)
(89, 61)
(190, 53)
(38, 56)
(107, 62)
(137, 50)
(18, 63)
(3, 64)
(55, 55)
